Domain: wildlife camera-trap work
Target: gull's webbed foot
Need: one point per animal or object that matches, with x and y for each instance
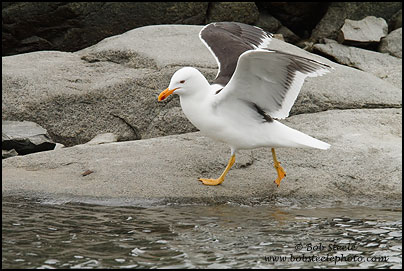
(279, 169)
(221, 178)
(211, 181)
(281, 173)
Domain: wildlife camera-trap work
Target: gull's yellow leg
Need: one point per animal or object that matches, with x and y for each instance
(279, 169)
(221, 178)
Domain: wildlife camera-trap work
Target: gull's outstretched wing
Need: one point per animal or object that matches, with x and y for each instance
(227, 41)
(270, 79)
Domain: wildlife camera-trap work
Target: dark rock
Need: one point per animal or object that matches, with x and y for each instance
(396, 21)
(70, 26)
(288, 35)
(244, 12)
(25, 137)
(299, 17)
(8, 153)
(268, 23)
(337, 12)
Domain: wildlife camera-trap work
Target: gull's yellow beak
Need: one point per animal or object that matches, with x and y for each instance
(165, 93)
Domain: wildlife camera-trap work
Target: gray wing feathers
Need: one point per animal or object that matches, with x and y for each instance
(271, 79)
(227, 41)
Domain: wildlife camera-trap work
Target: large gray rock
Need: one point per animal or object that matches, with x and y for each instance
(24, 137)
(393, 43)
(369, 30)
(363, 166)
(112, 87)
(337, 12)
(384, 66)
(343, 88)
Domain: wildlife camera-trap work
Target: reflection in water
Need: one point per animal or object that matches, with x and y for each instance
(194, 236)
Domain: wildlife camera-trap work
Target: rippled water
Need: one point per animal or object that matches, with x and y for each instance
(37, 235)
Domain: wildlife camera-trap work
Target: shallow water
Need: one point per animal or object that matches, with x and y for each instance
(38, 235)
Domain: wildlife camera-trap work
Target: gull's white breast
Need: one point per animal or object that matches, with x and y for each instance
(234, 123)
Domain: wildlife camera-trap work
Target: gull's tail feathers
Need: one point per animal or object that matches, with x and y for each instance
(289, 137)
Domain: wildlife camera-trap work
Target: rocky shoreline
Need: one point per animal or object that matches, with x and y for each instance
(111, 88)
(362, 167)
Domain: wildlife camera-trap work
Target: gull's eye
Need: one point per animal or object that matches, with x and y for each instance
(182, 81)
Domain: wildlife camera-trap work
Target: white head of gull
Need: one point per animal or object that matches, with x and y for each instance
(253, 88)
